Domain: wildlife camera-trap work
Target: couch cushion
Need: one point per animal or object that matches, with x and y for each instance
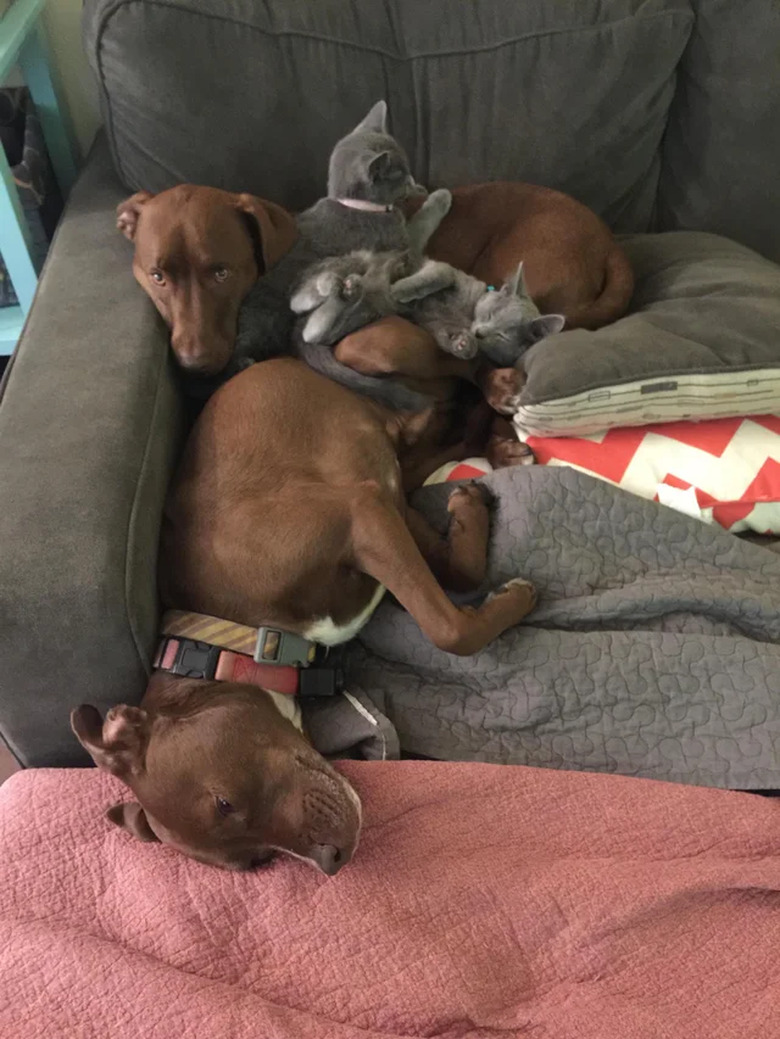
(722, 146)
(248, 96)
(702, 340)
(89, 421)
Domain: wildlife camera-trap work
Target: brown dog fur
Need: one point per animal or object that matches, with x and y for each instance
(572, 263)
(296, 526)
(198, 252)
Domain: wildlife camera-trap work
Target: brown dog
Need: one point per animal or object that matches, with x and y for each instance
(198, 252)
(301, 527)
(572, 263)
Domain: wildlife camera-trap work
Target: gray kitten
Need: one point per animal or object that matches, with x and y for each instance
(368, 177)
(464, 315)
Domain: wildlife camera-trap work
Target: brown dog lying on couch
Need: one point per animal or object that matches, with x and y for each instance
(198, 251)
(289, 532)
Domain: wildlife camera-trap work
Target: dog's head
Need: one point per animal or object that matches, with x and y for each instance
(198, 252)
(221, 776)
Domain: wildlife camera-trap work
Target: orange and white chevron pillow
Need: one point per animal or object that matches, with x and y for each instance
(470, 469)
(724, 471)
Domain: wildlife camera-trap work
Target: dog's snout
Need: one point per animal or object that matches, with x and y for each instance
(194, 358)
(329, 858)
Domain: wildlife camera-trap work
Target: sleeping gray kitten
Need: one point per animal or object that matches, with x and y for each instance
(368, 177)
(464, 315)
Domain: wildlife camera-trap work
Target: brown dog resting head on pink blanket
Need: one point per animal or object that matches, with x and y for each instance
(298, 536)
(222, 776)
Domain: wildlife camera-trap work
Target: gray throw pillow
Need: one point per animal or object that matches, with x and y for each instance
(701, 340)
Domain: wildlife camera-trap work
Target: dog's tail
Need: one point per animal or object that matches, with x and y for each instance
(382, 389)
(615, 295)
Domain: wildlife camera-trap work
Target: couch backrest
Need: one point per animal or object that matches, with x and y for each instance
(575, 94)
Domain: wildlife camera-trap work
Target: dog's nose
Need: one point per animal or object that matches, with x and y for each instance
(329, 858)
(196, 361)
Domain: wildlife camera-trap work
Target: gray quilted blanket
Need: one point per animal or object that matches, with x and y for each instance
(655, 650)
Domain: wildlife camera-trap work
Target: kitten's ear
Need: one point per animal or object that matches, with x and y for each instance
(547, 325)
(375, 121)
(378, 166)
(515, 286)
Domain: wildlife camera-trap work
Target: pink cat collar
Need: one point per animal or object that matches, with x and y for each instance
(367, 207)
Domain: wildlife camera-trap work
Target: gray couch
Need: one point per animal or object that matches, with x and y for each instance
(660, 114)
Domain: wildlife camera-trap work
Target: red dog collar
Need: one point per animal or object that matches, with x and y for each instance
(192, 659)
(196, 645)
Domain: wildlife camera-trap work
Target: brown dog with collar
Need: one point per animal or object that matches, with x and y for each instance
(300, 527)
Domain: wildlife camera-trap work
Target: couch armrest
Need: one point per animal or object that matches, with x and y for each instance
(90, 423)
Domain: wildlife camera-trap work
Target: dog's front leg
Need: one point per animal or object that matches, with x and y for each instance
(384, 547)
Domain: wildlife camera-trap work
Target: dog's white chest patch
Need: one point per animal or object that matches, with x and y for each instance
(288, 706)
(327, 633)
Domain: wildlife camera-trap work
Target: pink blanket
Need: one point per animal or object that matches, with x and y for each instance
(483, 902)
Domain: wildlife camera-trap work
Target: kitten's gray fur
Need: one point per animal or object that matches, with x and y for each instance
(463, 314)
(368, 165)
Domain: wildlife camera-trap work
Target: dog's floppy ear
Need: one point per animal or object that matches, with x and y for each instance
(131, 817)
(277, 228)
(117, 744)
(127, 213)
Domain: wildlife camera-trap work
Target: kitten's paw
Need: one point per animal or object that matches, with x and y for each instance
(352, 287)
(305, 298)
(463, 345)
(317, 327)
(328, 284)
(441, 200)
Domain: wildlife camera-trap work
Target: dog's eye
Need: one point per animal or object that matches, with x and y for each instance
(221, 273)
(224, 807)
(157, 276)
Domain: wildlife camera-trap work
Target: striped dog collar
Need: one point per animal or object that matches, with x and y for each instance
(195, 645)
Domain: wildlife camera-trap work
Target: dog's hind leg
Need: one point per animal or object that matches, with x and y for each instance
(383, 546)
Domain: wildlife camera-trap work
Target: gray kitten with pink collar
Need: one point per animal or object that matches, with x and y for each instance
(368, 178)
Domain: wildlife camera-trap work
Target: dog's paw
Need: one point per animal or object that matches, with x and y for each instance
(502, 387)
(505, 451)
(469, 496)
(520, 590)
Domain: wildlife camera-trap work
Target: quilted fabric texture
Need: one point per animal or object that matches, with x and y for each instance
(654, 651)
(700, 341)
(482, 902)
(726, 471)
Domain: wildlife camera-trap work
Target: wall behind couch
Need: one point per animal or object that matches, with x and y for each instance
(63, 27)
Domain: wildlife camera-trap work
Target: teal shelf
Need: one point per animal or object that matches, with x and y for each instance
(23, 42)
(11, 324)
